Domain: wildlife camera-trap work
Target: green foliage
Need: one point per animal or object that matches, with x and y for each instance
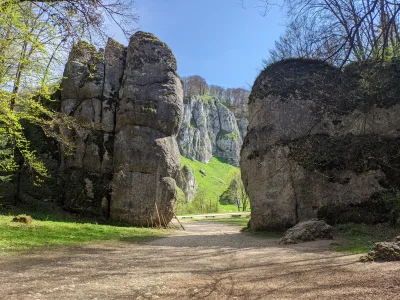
(19, 236)
(207, 99)
(231, 136)
(29, 48)
(218, 176)
(359, 238)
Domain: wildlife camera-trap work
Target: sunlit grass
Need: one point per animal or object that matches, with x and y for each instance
(18, 236)
(359, 238)
(218, 176)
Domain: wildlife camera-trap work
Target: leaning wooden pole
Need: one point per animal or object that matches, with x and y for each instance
(158, 214)
(179, 222)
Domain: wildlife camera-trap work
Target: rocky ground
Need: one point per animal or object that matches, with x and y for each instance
(207, 261)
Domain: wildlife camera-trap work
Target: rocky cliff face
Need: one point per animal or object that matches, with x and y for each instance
(209, 129)
(322, 143)
(186, 181)
(130, 103)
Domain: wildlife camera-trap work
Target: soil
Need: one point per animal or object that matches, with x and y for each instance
(207, 261)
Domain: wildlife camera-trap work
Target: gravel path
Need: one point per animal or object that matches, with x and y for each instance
(207, 261)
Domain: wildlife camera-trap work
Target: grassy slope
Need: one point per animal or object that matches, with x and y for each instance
(217, 179)
(18, 236)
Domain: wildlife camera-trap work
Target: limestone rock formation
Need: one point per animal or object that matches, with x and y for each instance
(307, 231)
(186, 181)
(87, 172)
(209, 129)
(130, 103)
(242, 124)
(322, 143)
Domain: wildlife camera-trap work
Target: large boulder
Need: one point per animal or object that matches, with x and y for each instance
(209, 129)
(322, 143)
(128, 103)
(307, 231)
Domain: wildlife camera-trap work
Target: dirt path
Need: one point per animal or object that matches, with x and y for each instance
(208, 261)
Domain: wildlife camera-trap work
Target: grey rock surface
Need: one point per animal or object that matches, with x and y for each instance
(87, 172)
(302, 157)
(146, 155)
(307, 231)
(209, 129)
(129, 103)
(187, 182)
(242, 124)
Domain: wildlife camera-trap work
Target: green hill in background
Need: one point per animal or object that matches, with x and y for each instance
(212, 179)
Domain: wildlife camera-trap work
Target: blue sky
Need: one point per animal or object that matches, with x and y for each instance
(216, 39)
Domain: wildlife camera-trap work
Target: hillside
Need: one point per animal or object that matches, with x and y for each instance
(218, 175)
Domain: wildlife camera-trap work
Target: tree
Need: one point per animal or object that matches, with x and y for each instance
(244, 198)
(194, 85)
(216, 91)
(34, 38)
(240, 96)
(84, 17)
(340, 31)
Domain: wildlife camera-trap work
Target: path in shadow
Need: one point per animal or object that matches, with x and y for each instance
(207, 261)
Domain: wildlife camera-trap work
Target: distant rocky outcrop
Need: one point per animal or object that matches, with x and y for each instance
(129, 101)
(187, 182)
(323, 143)
(209, 129)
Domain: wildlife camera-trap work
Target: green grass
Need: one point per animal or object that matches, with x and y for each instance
(359, 238)
(218, 176)
(238, 221)
(44, 234)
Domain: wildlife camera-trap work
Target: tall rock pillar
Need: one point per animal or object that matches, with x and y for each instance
(146, 155)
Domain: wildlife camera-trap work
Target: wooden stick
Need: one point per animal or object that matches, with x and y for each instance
(179, 221)
(158, 214)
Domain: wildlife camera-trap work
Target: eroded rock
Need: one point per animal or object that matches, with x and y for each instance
(209, 129)
(129, 103)
(319, 143)
(384, 251)
(146, 155)
(186, 181)
(307, 231)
